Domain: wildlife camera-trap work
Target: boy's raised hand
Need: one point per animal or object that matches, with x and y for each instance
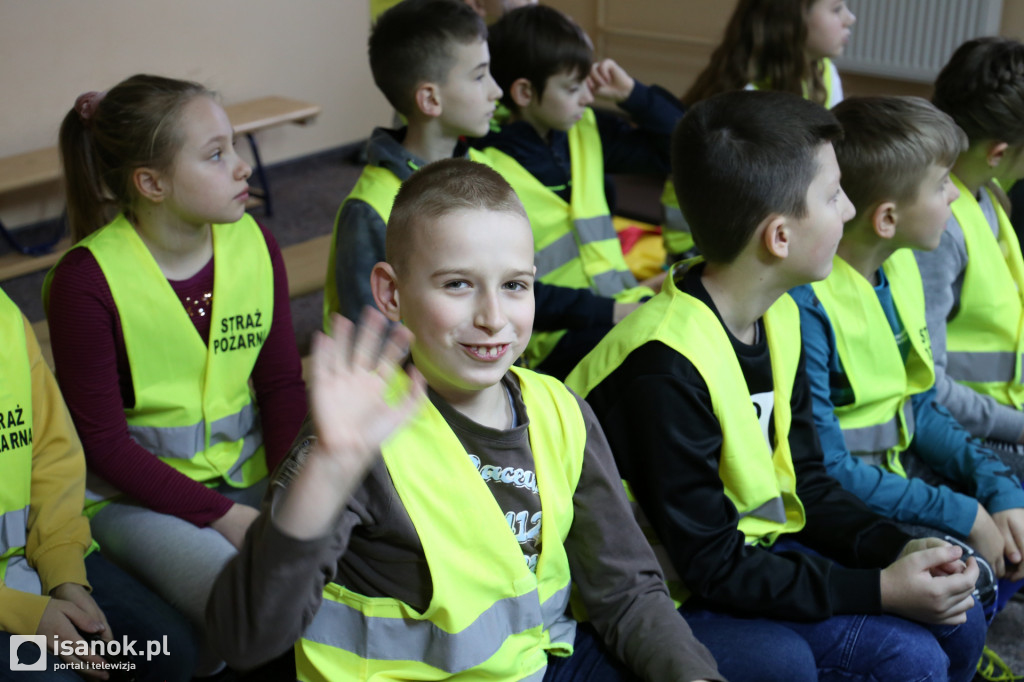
(351, 373)
(1010, 523)
(610, 81)
(929, 583)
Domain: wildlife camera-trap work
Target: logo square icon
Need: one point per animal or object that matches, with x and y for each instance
(28, 652)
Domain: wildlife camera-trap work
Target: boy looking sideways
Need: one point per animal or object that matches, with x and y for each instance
(703, 397)
(883, 433)
(452, 554)
(555, 151)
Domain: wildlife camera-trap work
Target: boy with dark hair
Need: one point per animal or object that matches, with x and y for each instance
(973, 279)
(866, 341)
(555, 151)
(430, 59)
(719, 447)
(454, 555)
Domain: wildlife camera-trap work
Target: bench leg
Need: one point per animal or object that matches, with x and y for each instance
(261, 175)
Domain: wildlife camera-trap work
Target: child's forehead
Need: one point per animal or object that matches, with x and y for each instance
(569, 75)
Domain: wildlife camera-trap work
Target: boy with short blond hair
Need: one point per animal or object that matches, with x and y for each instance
(454, 555)
(883, 433)
(430, 60)
(555, 150)
(703, 398)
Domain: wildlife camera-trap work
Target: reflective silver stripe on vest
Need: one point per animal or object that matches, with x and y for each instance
(185, 442)
(556, 254)
(880, 437)
(398, 639)
(22, 577)
(674, 219)
(982, 367)
(772, 510)
(13, 525)
(565, 249)
(250, 446)
(612, 282)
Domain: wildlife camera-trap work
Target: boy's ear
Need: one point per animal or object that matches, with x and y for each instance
(428, 99)
(995, 153)
(776, 235)
(884, 219)
(384, 285)
(522, 92)
(150, 184)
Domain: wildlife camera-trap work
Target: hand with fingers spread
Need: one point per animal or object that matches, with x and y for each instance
(71, 613)
(610, 81)
(1010, 523)
(351, 373)
(929, 583)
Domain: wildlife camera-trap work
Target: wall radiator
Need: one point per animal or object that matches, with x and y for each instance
(913, 39)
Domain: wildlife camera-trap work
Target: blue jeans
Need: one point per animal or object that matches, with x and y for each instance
(132, 611)
(871, 648)
(590, 661)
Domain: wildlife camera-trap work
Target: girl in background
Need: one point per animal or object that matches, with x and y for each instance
(171, 333)
(785, 45)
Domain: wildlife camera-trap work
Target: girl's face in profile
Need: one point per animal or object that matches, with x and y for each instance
(828, 28)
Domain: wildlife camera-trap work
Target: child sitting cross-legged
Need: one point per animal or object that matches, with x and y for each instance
(445, 547)
(867, 346)
(703, 396)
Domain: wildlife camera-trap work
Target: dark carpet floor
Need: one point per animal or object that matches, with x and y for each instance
(307, 193)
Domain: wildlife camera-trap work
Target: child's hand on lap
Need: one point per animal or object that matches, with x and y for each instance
(1010, 523)
(609, 81)
(925, 583)
(988, 541)
(71, 612)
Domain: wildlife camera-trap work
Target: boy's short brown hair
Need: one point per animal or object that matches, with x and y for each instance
(982, 88)
(889, 144)
(741, 156)
(440, 188)
(536, 42)
(411, 44)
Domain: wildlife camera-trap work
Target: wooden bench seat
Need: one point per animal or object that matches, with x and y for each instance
(42, 166)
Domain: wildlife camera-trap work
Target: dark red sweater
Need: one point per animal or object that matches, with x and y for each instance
(95, 378)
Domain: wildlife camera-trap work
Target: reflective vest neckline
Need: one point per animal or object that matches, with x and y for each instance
(761, 483)
(489, 615)
(15, 433)
(984, 339)
(193, 403)
(880, 421)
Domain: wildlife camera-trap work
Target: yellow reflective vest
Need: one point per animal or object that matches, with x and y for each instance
(193, 405)
(377, 187)
(575, 242)
(759, 480)
(880, 421)
(984, 340)
(489, 617)
(15, 433)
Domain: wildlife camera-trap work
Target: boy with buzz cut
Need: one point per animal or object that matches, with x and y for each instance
(430, 59)
(445, 548)
(703, 397)
(867, 347)
(555, 151)
(973, 280)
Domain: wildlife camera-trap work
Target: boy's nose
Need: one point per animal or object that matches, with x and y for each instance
(496, 91)
(489, 314)
(851, 18)
(953, 194)
(586, 96)
(244, 170)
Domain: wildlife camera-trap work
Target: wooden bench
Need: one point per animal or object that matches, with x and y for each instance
(42, 167)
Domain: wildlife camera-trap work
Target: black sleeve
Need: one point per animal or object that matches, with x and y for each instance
(839, 524)
(568, 308)
(640, 146)
(656, 412)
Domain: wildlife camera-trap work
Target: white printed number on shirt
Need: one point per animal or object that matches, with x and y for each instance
(764, 403)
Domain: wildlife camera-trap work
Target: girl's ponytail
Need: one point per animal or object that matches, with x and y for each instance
(106, 137)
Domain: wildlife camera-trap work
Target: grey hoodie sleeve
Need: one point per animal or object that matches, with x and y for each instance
(942, 272)
(359, 246)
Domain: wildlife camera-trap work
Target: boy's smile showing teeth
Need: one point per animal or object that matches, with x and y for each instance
(486, 352)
